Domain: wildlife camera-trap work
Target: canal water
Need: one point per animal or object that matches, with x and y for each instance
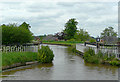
(66, 66)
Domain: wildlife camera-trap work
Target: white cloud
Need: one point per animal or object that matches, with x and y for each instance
(50, 17)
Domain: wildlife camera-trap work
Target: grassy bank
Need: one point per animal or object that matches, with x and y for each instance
(89, 56)
(16, 59)
(62, 42)
(11, 58)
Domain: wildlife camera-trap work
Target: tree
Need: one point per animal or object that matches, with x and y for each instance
(25, 25)
(108, 32)
(70, 28)
(81, 35)
(13, 34)
(109, 35)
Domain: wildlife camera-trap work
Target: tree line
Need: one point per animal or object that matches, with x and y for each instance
(71, 32)
(20, 34)
(16, 34)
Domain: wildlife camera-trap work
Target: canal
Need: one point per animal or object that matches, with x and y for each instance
(66, 66)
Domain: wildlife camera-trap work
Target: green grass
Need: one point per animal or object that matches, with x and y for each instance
(11, 58)
(62, 42)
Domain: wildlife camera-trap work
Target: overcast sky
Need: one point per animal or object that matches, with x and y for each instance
(50, 17)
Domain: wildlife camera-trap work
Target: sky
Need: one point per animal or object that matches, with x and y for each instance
(50, 17)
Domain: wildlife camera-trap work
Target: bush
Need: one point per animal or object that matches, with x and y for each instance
(100, 54)
(93, 59)
(45, 55)
(112, 56)
(89, 51)
(114, 63)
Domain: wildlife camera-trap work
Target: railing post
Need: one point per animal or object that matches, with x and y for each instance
(119, 48)
(85, 44)
(97, 45)
(38, 46)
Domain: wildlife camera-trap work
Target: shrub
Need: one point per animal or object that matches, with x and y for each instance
(89, 51)
(112, 56)
(100, 54)
(86, 57)
(105, 57)
(93, 59)
(114, 63)
(45, 54)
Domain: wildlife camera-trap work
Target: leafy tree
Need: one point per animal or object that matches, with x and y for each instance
(108, 32)
(13, 34)
(70, 28)
(81, 35)
(25, 25)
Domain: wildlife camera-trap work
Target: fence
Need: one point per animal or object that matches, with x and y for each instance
(110, 49)
(20, 48)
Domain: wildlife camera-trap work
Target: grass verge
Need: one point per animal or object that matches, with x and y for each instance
(62, 42)
(11, 58)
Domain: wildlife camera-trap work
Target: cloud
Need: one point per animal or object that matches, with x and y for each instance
(50, 17)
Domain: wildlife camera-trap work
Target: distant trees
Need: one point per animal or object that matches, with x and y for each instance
(109, 35)
(70, 29)
(81, 35)
(13, 34)
(71, 33)
(108, 32)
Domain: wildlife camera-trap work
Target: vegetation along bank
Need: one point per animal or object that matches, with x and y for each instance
(16, 59)
(89, 55)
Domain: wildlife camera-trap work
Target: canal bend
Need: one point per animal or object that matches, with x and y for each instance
(66, 66)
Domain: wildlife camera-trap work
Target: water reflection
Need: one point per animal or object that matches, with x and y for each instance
(102, 68)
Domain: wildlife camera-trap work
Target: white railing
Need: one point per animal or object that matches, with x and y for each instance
(20, 48)
(108, 50)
